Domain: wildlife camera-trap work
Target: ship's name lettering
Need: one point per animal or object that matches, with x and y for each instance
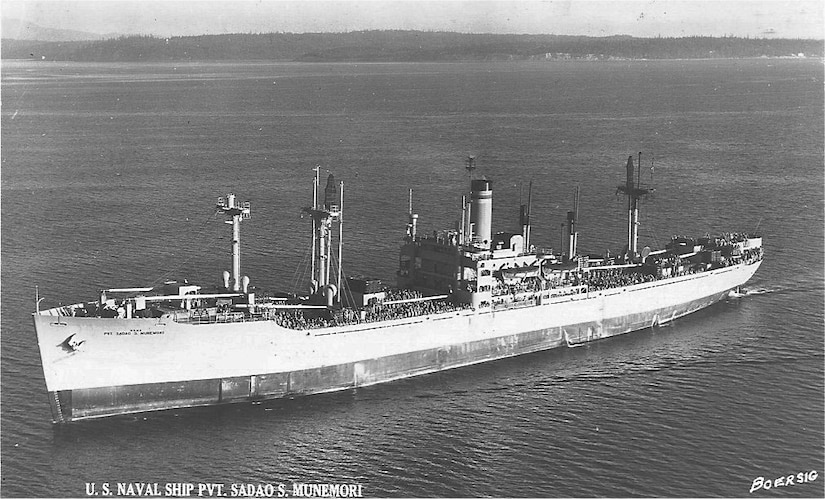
(132, 332)
(185, 489)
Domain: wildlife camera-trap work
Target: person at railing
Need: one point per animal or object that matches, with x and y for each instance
(295, 319)
(615, 278)
(401, 294)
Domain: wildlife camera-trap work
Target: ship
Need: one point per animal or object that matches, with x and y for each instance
(463, 296)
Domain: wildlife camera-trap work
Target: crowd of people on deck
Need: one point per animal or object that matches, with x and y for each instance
(295, 319)
(528, 284)
(734, 237)
(752, 255)
(597, 279)
(401, 294)
(615, 278)
(382, 312)
(298, 319)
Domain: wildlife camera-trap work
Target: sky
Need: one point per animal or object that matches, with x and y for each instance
(643, 18)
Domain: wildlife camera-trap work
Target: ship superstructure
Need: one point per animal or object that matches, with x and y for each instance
(463, 296)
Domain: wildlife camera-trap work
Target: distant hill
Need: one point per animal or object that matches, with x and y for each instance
(21, 30)
(404, 46)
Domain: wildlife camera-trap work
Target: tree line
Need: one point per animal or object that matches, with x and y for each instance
(403, 46)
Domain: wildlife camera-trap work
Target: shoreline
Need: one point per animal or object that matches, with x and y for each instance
(434, 61)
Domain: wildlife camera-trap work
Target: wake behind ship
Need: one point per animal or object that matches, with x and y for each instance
(463, 296)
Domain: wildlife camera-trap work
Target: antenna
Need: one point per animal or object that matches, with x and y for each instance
(576, 204)
(757, 226)
(471, 165)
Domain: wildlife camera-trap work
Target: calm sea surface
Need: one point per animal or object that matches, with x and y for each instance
(110, 173)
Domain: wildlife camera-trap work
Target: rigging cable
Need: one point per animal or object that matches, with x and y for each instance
(192, 256)
(301, 271)
(344, 285)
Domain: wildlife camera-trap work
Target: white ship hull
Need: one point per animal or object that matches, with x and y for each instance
(97, 367)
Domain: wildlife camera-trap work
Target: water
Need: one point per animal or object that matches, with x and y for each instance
(110, 173)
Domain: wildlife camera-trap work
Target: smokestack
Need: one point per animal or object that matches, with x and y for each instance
(481, 216)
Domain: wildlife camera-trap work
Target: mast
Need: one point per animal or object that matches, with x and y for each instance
(340, 235)
(633, 190)
(323, 215)
(237, 211)
(37, 298)
(412, 224)
(529, 212)
(572, 220)
(524, 217)
(469, 225)
(315, 180)
(561, 240)
(463, 228)
(327, 256)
